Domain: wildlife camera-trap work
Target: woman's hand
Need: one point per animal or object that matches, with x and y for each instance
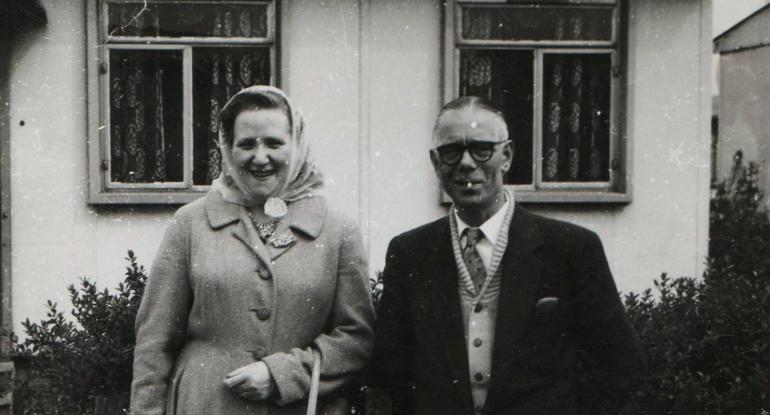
(252, 381)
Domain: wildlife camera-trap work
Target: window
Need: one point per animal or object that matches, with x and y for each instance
(159, 71)
(554, 68)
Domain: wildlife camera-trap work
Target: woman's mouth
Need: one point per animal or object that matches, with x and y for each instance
(260, 174)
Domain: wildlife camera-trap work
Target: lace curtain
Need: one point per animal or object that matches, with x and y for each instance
(140, 140)
(576, 117)
(146, 89)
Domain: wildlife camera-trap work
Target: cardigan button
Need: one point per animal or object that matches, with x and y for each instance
(263, 313)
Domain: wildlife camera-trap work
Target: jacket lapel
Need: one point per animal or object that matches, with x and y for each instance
(521, 273)
(447, 309)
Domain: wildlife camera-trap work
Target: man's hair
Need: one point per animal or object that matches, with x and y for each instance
(264, 100)
(471, 102)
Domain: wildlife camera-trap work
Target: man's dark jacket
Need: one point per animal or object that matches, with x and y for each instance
(572, 353)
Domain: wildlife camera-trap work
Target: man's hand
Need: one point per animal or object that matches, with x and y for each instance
(252, 381)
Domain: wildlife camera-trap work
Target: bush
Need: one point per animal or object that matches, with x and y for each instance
(708, 341)
(71, 365)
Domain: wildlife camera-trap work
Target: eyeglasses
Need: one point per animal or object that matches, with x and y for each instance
(480, 151)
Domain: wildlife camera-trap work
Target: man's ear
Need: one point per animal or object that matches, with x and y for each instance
(434, 160)
(507, 155)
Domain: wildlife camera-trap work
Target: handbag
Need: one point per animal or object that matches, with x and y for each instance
(336, 407)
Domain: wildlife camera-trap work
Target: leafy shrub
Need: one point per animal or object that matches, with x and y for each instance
(708, 341)
(73, 364)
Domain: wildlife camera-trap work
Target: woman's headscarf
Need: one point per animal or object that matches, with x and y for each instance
(303, 178)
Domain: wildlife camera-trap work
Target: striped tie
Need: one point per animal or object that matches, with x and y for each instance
(472, 259)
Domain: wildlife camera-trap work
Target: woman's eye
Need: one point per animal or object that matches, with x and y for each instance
(274, 143)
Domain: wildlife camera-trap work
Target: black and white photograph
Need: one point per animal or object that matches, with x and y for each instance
(385, 207)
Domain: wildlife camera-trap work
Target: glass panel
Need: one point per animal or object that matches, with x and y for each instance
(505, 77)
(554, 23)
(187, 20)
(146, 141)
(218, 73)
(576, 117)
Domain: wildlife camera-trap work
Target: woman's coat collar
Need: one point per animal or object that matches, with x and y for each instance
(305, 215)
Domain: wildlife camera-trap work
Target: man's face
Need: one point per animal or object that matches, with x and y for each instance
(472, 184)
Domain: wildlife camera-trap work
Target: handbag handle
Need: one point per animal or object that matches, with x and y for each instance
(315, 379)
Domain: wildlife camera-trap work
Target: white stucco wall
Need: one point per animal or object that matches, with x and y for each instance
(367, 74)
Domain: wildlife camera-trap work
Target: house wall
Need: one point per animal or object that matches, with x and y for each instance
(744, 114)
(368, 76)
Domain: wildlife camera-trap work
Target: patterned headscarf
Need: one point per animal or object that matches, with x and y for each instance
(303, 178)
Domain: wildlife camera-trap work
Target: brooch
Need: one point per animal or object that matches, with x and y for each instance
(283, 240)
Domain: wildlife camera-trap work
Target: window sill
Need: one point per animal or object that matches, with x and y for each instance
(561, 196)
(162, 197)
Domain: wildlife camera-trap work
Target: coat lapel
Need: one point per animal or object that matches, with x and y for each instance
(306, 216)
(521, 273)
(447, 310)
(246, 233)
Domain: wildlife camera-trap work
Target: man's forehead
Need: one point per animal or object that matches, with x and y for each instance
(469, 124)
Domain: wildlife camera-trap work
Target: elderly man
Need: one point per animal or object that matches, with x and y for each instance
(492, 309)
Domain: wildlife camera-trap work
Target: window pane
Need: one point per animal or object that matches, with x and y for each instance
(146, 143)
(566, 23)
(576, 117)
(185, 20)
(505, 77)
(218, 73)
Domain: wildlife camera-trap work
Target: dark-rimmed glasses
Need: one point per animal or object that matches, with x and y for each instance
(480, 151)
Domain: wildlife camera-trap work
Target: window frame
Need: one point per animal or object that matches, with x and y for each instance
(617, 189)
(102, 190)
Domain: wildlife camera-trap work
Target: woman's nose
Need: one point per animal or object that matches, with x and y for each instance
(260, 155)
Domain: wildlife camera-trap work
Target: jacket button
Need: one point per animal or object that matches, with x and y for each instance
(258, 353)
(478, 342)
(478, 377)
(263, 313)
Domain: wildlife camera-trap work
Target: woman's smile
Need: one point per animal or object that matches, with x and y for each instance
(262, 174)
(261, 149)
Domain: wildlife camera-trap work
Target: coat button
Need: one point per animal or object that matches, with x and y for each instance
(263, 313)
(478, 342)
(478, 377)
(258, 353)
(263, 273)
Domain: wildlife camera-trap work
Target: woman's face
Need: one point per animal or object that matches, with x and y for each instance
(261, 149)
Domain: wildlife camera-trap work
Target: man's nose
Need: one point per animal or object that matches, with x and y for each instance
(466, 161)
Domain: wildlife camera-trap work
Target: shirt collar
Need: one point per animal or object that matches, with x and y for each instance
(491, 228)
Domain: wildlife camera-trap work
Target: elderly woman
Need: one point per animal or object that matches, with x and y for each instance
(253, 278)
